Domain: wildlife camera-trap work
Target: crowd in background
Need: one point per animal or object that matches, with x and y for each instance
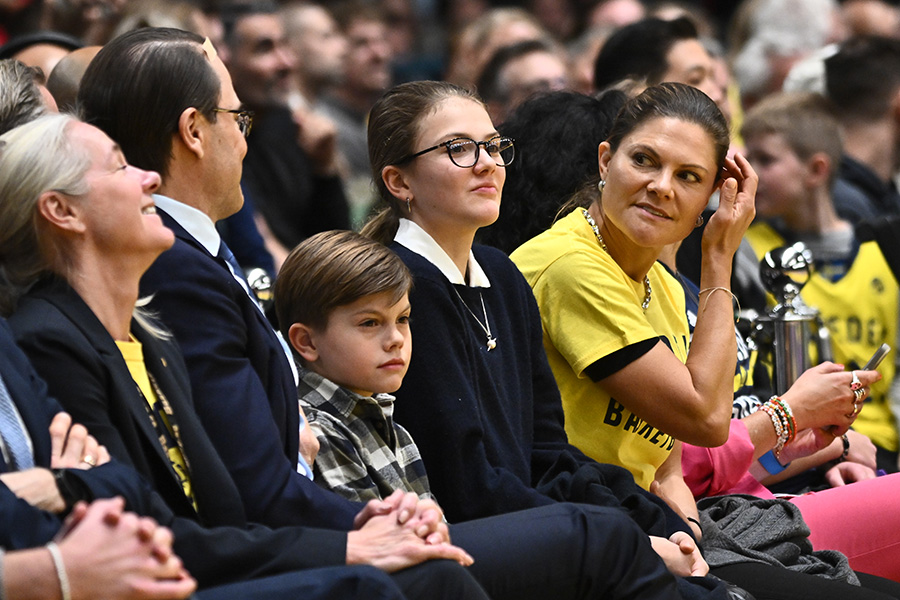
(329, 102)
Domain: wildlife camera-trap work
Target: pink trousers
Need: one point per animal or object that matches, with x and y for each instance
(862, 520)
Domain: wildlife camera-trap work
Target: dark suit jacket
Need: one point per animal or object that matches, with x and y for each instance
(214, 556)
(243, 389)
(85, 371)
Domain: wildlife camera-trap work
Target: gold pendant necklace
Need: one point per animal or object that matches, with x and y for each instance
(486, 326)
(593, 224)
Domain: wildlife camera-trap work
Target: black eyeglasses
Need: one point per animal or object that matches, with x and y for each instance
(244, 118)
(464, 152)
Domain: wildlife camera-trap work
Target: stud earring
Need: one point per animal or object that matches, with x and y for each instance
(408, 205)
(699, 221)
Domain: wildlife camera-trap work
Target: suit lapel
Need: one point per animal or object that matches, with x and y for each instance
(64, 298)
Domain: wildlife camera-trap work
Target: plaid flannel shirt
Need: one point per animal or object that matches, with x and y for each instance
(363, 454)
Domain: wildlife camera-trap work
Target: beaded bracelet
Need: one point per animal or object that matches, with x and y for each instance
(782, 420)
(791, 422)
(846, 451)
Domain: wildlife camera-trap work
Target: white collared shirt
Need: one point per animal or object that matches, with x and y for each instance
(194, 221)
(416, 239)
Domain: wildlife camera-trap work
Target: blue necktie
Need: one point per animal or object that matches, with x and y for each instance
(227, 255)
(13, 435)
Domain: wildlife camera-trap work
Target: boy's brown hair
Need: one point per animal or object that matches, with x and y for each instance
(332, 269)
(804, 120)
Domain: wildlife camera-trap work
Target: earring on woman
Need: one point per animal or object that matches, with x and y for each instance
(699, 221)
(600, 185)
(408, 205)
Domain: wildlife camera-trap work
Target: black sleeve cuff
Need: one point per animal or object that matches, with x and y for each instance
(618, 360)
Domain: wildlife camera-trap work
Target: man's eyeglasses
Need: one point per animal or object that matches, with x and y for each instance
(244, 118)
(464, 152)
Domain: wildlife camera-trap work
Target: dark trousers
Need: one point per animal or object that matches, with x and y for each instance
(433, 580)
(766, 582)
(569, 552)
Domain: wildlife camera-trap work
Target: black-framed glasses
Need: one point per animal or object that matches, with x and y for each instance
(244, 118)
(464, 152)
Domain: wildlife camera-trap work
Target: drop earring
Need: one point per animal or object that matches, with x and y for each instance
(600, 185)
(409, 205)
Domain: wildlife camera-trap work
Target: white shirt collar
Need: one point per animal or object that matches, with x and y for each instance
(413, 237)
(195, 222)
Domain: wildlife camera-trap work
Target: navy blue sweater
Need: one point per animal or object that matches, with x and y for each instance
(489, 424)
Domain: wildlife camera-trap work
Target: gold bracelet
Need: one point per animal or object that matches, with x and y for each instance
(724, 289)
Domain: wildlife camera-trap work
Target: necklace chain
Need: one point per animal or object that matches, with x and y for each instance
(647, 290)
(486, 326)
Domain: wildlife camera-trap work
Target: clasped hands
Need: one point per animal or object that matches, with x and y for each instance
(401, 531)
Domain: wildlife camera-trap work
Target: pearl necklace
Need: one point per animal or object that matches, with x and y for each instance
(486, 326)
(593, 224)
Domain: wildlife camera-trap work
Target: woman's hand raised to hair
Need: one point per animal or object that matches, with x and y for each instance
(737, 207)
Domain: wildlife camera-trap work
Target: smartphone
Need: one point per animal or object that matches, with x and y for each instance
(877, 358)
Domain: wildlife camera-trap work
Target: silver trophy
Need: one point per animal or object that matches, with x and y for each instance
(791, 332)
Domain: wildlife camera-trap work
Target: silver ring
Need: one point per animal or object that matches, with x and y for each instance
(859, 394)
(855, 383)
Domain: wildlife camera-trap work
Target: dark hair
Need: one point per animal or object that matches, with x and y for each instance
(490, 85)
(232, 12)
(332, 269)
(862, 78)
(347, 13)
(393, 128)
(138, 85)
(639, 51)
(556, 135)
(20, 98)
(676, 101)
(666, 100)
(803, 120)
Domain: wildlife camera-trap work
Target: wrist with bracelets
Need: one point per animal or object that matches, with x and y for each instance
(782, 420)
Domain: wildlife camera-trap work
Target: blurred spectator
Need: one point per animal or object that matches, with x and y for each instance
(22, 95)
(42, 49)
(66, 76)
(582, 54)
(559, 17)
(862, 81)
(179, 14)
(517, 72)
(655, 50)
(290, 172)
(320, 49)
(780, 34)
(473, 45)
(367, 75)
(617, 13)
(871, 17)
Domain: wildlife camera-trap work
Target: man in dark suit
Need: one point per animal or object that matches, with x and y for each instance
(237, 364)
(216, 556)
